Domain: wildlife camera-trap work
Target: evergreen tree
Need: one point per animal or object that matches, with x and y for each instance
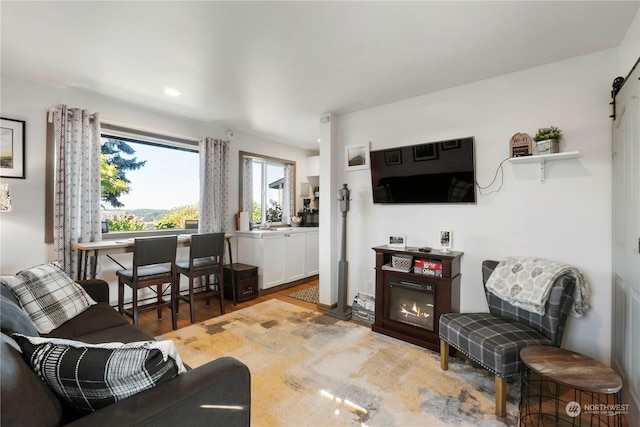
(113, 151)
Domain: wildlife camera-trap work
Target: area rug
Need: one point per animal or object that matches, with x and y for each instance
(309, 369)
(311, 294)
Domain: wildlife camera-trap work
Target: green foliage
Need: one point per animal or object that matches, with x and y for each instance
(175, 217)
(125, 222)
(256, 213)
(110, 181)
(113, 168)
(551, 132)
(274, 212)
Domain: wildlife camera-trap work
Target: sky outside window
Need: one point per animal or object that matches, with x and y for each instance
(169, 179)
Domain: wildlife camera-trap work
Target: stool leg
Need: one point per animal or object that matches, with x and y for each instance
(221, 290)
(134, 301)
(192, 309)
(174, 303)
(444, 355)
(176, 293)
(501, 396)
(159, 299)
(120, 296)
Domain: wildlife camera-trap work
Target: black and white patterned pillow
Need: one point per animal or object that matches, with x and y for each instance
(92, 376)
(48, 295)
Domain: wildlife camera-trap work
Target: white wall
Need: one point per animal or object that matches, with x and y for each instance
(568, 218)
(630, 47)
(22, 230)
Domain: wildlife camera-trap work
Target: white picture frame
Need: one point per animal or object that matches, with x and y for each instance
(398, 241)
(445, 241)
(356, 157)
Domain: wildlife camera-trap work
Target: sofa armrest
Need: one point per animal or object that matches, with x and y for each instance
(225, 382)
(96, 288)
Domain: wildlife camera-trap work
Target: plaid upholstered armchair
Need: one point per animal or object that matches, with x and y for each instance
(494, 339)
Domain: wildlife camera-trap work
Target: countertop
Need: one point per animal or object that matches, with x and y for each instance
(259, 233)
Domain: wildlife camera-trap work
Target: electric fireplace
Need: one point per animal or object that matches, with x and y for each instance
(409, 303)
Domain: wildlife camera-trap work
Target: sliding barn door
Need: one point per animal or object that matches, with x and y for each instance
(626, 243)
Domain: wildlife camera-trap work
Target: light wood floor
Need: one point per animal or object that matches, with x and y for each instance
(153, 326)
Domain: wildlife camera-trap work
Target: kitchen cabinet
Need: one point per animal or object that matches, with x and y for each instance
(312, 251)
(282, 255)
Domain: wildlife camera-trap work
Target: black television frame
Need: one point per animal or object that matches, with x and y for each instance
(439, 172)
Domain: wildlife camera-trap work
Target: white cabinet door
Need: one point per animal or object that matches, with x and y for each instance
(312, 260)
(295, 256)
(274, 260)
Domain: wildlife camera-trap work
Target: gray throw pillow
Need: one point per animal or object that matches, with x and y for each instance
(14, 320)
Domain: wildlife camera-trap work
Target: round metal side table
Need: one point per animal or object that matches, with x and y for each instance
(564, 388)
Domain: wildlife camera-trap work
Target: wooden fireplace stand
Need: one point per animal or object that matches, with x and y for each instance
(447, 293)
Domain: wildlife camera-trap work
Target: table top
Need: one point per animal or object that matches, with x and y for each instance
(571, 369)
(183, 240)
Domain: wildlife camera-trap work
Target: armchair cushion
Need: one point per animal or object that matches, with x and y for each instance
(92, 376)
(494, 342)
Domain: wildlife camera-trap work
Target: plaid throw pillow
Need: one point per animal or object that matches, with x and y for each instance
(91, 377)
(48, 295)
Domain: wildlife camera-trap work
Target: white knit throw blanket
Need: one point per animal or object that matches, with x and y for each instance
(526, 282)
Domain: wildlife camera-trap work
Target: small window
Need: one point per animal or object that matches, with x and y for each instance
(264, 191)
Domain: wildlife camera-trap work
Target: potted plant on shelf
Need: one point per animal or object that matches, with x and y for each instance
(547, 140)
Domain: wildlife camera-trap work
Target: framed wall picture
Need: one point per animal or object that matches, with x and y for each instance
(12, 159)
(356, 157)
(397, 241)
(445, 241)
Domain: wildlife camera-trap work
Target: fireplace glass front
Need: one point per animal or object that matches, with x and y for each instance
(411, 303)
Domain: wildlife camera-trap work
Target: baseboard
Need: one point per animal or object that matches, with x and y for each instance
(288, 285)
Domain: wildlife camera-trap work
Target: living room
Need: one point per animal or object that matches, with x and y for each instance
(566, 218)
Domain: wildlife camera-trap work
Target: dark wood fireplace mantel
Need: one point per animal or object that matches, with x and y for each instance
(446, 290)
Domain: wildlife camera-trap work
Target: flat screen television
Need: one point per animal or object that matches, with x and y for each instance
(434, 172)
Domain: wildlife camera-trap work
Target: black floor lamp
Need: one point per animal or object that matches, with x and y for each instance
(342, 312)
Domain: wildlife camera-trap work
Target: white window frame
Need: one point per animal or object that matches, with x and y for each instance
(265, 160)
(151, 138)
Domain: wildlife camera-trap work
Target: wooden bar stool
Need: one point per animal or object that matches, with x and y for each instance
(153, 265)
(206, 255)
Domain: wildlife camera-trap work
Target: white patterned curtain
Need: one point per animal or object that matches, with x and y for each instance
(288, 204)
(77, 183)
(247, 187)
(214, 185)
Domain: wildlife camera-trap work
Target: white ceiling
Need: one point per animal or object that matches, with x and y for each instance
(273, 68)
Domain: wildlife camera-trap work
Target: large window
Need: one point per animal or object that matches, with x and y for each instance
(264, 192)
(147, 183)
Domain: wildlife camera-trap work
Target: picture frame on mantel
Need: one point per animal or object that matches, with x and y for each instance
(356, 157)
(12, 145)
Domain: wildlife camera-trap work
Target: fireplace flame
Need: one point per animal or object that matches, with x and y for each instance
(414, 311)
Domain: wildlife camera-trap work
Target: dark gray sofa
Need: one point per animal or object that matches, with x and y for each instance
(27, 401)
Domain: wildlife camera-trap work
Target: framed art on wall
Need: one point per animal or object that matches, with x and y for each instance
(356, 157)
(12, 159)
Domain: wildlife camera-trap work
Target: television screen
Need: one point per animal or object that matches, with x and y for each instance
(435, 172)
